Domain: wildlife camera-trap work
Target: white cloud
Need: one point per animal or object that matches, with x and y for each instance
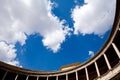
(20, 17)
(30, 16)
(8, 54)
(91, 53)
(94, 17)
(75, 1)
(54, 40)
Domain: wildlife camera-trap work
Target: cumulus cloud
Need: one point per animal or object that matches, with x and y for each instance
(94, 17)
(91, 53)
(21, 17)
(58, 37)
(8, 54)
(27, 16)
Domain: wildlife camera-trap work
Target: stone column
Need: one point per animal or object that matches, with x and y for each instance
(66, 76)
(76, 75)
(56, 77)
(37, 77)
(87, 77)
(4, 75)
(106, 59)
(116, 50)
(16, 77)
(47, 77)
(96, 66)
(27, 77)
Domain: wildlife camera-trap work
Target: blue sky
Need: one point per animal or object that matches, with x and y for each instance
(45, 35)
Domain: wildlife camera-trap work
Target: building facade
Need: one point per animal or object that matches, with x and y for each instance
(105, 65)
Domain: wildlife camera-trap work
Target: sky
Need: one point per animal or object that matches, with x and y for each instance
(48, 34)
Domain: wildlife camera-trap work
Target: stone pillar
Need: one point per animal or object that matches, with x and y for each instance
(4, 75)
(76, 75)
(66, 76)
(16, 77)
(56, 77)
(47, 77)
(87, 77)
(96, 66)
(108, 64)
(116, 50)
(27, 78)
(37, 77)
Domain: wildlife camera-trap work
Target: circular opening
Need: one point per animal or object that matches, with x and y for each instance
(45, 35)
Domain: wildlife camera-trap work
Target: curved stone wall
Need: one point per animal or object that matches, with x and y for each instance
(105, 65)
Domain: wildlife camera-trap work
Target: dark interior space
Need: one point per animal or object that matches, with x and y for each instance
(10, 76)
(72, 76)
(112, 56)
(21, 77)
(117, 40)
(2, 73)
(32, 78)
(52, 78)
(42, 78)
(102, 65)
(92, 72)
(63, 77)
(82, 75)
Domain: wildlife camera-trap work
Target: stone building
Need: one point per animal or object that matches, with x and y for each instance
(105, 65)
